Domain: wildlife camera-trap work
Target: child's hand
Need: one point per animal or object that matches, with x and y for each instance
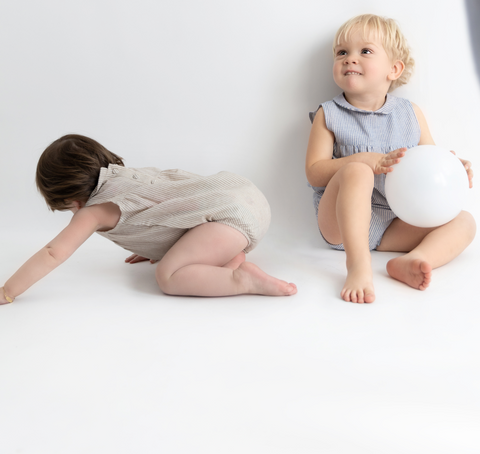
(134, 258)
(468, 168)
(385, 162)
(3, 300)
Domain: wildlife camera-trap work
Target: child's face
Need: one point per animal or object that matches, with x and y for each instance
(362, 66)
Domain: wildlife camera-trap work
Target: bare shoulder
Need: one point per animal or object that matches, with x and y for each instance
(319, 120)
(425, 135)
(417, 109)
(419, 114)
(84, 223)
(321, 138)
(104, 215)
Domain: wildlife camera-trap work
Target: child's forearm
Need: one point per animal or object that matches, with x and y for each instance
(84, 222)
(34, 269)
(320, 173)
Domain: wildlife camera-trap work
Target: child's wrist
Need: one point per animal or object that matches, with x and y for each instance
(6, 297)
(370, 158)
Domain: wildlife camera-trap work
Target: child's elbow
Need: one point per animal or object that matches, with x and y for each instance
(312, 174)
(57, 255)
(310, 177)
(308, 172)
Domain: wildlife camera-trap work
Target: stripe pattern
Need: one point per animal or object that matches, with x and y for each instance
(158, 207)
(393, 126)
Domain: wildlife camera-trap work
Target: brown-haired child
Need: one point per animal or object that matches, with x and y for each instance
(197, 227)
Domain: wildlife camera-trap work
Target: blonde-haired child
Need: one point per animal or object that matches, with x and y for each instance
(356, 139)
(197, 227)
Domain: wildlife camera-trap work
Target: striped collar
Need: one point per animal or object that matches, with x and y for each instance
(101, 179)
(385, 109)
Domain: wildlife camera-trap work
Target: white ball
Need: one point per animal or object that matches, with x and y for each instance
(427, 188)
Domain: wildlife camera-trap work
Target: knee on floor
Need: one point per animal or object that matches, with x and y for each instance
(163, 276)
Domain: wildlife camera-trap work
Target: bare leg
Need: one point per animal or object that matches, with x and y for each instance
(207, 261)
(236, 261)
(344, 215)
(427, 248)
(232, 264)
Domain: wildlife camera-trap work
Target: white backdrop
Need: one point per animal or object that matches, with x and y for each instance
(205, 86)
(95, 359)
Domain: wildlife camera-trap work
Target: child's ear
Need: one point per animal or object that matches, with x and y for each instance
(397, 70)
(78, 204)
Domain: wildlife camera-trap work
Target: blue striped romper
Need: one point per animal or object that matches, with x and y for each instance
(392, 126)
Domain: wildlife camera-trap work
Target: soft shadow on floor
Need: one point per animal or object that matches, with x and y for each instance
(96, 359)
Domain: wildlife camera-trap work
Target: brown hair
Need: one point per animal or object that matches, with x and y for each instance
(68, 170)
(388, 31)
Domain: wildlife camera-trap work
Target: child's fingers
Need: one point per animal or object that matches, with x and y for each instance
(383, 169)
(391, 162)
(130, 258)
(399, 152)
(135, 258)
(392, 158)
(396, 156)
(387, 165)
(470, 177)
(468, 168)
(4, 301)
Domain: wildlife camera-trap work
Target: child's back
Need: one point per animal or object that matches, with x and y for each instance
(199, 228)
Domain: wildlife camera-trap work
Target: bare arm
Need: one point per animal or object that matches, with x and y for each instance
(425, 136)
(320, 167)
(83, 224)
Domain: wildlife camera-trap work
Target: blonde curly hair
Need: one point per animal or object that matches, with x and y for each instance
(388, 32)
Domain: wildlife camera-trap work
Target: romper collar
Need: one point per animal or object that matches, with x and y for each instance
(385, 109)
(104, 173)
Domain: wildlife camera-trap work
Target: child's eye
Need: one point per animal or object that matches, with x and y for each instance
(366, 51)
(341, 52)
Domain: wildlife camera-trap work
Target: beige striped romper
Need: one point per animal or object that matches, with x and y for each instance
(158, 207)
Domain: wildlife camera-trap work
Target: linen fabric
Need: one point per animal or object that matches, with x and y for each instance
(158, 207)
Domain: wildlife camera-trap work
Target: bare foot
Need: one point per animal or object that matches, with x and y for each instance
(358, 286)
(256, 281)
(236, 261)
(414, 272)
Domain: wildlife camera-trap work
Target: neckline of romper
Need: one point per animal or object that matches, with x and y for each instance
(385, 109)
(102, 177)
(105, 173)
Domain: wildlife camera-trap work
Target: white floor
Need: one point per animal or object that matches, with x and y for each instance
(95, 359)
